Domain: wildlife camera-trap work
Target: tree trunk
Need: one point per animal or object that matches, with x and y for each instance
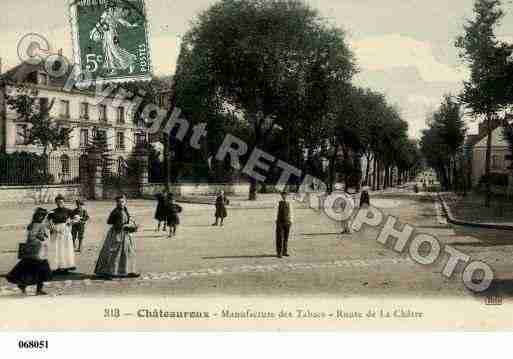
(378, 176)
(488, 158)
(331, 181)
(374, 173)
(167, 163)
(367, 169)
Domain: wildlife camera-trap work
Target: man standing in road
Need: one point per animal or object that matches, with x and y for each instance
(283, 224)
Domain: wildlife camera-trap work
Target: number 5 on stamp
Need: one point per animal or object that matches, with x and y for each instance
(110, 40)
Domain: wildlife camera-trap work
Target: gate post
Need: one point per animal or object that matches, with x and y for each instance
(141, 155)
(94, 159)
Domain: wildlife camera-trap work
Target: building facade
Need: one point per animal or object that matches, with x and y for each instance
(78, 110)
(499, 160)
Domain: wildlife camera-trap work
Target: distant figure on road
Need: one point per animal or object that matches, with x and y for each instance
(117, 257)
(33, 269)
(284, 220)
(79, 218)
(364, 199)
(346, 223)
(160, 212)
(221, 213)
(172, 211)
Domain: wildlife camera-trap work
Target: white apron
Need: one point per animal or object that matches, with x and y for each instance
(61, 254)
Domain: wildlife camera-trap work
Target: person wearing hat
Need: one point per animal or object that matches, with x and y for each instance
(172, 211)
(79, 218)
(221, 213)
(61, 255)
(284, 220)
(33, 268)
(118, 257)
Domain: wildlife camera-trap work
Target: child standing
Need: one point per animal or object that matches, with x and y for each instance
(160, 212)
(79, 217)
(172, 214)
(33, 268)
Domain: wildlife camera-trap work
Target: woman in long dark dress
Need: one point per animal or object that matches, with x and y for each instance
(118, 257)
(173, 220)
(221, 213)
(61, 254)
(160, 212)
(33, 268)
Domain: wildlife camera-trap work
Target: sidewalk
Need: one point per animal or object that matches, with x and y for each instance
(470, 211)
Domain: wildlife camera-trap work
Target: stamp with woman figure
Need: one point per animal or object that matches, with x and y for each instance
(110, 40)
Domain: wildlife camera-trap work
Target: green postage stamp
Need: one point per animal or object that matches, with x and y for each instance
(110, 40)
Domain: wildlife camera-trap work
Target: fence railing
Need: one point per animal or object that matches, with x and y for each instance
(37, 170)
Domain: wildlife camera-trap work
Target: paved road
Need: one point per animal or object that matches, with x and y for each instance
(239, 257)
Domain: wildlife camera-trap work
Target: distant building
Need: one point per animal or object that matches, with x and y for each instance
(499, 162)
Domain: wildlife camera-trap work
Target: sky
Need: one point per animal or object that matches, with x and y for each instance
(404, 48)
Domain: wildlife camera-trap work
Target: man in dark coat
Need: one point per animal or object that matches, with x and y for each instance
(221, 213)
(283, 223)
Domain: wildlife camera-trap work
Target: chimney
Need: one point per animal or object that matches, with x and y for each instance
(59, 52)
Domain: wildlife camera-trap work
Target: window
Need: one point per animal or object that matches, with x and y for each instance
(84, 110)
(120, 141)
(140, 138)
(102, 110)
(122, 167)
(65, 165)
(21, 134)
(84, 138)
(83, 168)
(101, 134)
(121, 115)
(64, 109)
(66, 143)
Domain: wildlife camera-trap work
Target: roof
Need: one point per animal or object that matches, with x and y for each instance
(21, 72)
(472, 140)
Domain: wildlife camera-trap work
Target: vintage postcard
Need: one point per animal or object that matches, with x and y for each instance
(256, 165)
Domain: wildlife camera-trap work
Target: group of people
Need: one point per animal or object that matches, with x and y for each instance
(167, 213)
(54, 236)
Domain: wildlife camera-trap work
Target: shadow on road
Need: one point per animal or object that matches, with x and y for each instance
(481, 244)
(318, 234)
(237, 257)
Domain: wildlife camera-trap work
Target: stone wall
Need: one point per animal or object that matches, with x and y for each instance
(39, 194)
(46, 194)
(200, 189)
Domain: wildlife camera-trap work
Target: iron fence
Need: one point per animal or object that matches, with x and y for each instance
(28, 169)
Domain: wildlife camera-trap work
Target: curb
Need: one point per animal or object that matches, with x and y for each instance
(453, 220)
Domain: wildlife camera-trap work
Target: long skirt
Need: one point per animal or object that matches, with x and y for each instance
(30, 272)
(173, 219)
(117, 256)
(221, 212)
(61, 255)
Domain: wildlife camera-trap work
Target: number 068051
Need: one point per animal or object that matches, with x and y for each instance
(33, 344)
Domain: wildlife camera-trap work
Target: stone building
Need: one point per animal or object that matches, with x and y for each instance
(78, 109)
(499, 162)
